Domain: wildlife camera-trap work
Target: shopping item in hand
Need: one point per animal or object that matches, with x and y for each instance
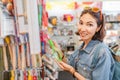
(56, 52)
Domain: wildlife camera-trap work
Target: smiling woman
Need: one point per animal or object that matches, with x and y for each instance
(83, 64)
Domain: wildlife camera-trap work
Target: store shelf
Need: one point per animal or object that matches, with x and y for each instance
(55, 36)
(112, 21)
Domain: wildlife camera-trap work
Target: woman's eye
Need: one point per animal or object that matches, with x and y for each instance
(90, 25)
(80, 23)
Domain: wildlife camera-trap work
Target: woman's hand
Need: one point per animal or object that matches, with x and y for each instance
(69, 68)
(66, 67)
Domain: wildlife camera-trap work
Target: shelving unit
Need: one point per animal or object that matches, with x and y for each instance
(113, 22)
(112, 25)
(20, 57)
(66, 36)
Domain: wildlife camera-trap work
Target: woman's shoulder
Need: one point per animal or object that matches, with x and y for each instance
(104, 49)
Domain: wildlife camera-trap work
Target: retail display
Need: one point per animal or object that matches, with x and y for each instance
(22, 67)
(64, 34)
(51, 52)
(112, 27)
(7, 19)
(53, 20)
(15, 55)
(68, 17)
(40, 13)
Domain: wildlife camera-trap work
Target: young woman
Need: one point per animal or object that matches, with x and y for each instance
(80, 63)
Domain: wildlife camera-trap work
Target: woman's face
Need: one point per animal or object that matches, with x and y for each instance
(87, 27)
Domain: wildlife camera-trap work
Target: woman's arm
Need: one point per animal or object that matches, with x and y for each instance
(103, 68)
(78, 76)
(63, 64)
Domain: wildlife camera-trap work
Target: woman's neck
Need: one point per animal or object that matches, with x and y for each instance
(86, 43)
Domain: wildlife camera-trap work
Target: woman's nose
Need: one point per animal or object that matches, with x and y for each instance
(82, 27)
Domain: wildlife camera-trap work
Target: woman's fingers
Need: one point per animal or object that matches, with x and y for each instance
(64, 64)
(61, 66)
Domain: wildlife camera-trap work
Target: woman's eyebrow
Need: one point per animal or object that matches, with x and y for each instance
(90, 22)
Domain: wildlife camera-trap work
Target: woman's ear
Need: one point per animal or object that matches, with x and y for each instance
(98, 28)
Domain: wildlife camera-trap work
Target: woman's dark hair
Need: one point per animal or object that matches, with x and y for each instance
(100, 23)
